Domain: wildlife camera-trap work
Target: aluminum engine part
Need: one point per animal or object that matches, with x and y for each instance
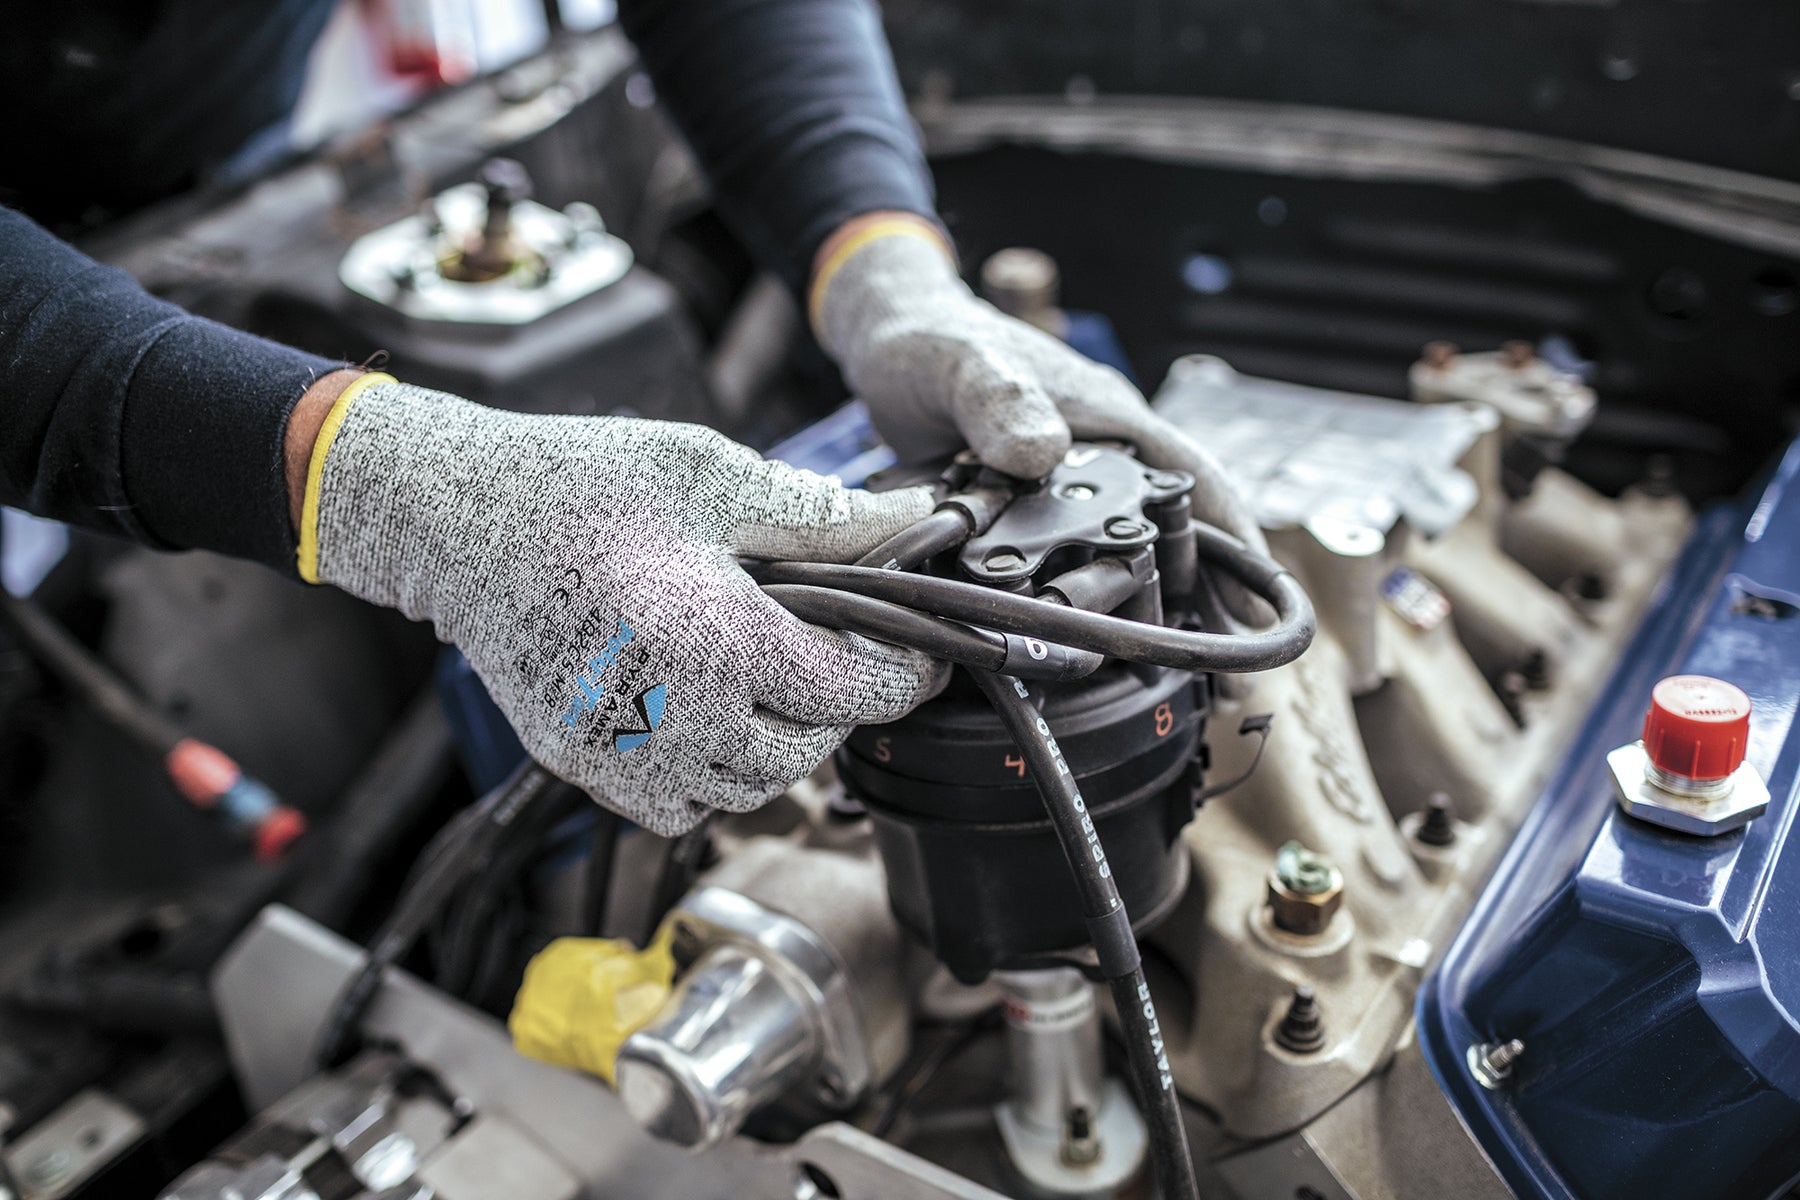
(277, 982)
(67, 1149)
(377, 1128)
(769, 1002)
(1443, 665)
(1531, 395)
(1069, 1129)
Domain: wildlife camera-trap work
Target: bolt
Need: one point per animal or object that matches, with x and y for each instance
(1439, 826)
(1518, 355)
(50, 1170)
(1124, 528)
(1439, 355)
(1003, 559)
(505, 181)
(1305, 891)
(1076, 491)
(1301, 1031)
(1492, 1062)
(1167, 481)
(506, 184)
(1080, 1147)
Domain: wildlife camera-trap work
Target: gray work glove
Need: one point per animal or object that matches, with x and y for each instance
(938, 367)
(585, 566)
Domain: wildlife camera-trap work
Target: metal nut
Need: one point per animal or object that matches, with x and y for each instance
(1491, 1063)
(1746, 799)
(1305, 891)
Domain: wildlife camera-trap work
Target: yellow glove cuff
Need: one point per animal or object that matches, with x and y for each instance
(896, 225)
(315, 472)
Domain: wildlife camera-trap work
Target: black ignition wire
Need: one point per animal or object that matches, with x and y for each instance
(1001, 637)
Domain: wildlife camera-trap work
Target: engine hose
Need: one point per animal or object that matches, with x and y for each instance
(465, 849)
(1116, 637)
(1110, 928)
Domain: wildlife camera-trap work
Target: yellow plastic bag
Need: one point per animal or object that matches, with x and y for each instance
(582, 997)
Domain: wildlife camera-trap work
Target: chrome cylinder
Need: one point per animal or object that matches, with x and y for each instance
(738, 1032)
(1053, 1036)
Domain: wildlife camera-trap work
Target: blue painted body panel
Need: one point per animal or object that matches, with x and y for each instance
(1653, 977)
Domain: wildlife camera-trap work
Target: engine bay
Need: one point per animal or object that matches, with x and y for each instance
(1515, 416)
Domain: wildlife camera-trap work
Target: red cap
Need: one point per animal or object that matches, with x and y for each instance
(1697, 726)
(200, 772)
(277, 831)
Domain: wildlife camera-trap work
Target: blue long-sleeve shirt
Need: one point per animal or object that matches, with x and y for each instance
(122, 413)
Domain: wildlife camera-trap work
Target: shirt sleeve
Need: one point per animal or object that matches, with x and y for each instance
(794, 110)
(122, 413)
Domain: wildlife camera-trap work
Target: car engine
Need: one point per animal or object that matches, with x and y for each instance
(1447, 841)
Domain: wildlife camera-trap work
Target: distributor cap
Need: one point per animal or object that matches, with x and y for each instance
(1093, 500)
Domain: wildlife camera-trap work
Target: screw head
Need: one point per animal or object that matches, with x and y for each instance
(1005, 558)
(1124, 528)
(1076, 491)
(51, 1169)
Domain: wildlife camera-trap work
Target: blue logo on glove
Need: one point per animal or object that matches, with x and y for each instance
(650, 703)
(589, 689)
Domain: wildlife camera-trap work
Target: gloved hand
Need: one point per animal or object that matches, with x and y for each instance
(938, 367)
(585, 566)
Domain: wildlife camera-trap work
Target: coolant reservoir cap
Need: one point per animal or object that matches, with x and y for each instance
(1698, 727)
